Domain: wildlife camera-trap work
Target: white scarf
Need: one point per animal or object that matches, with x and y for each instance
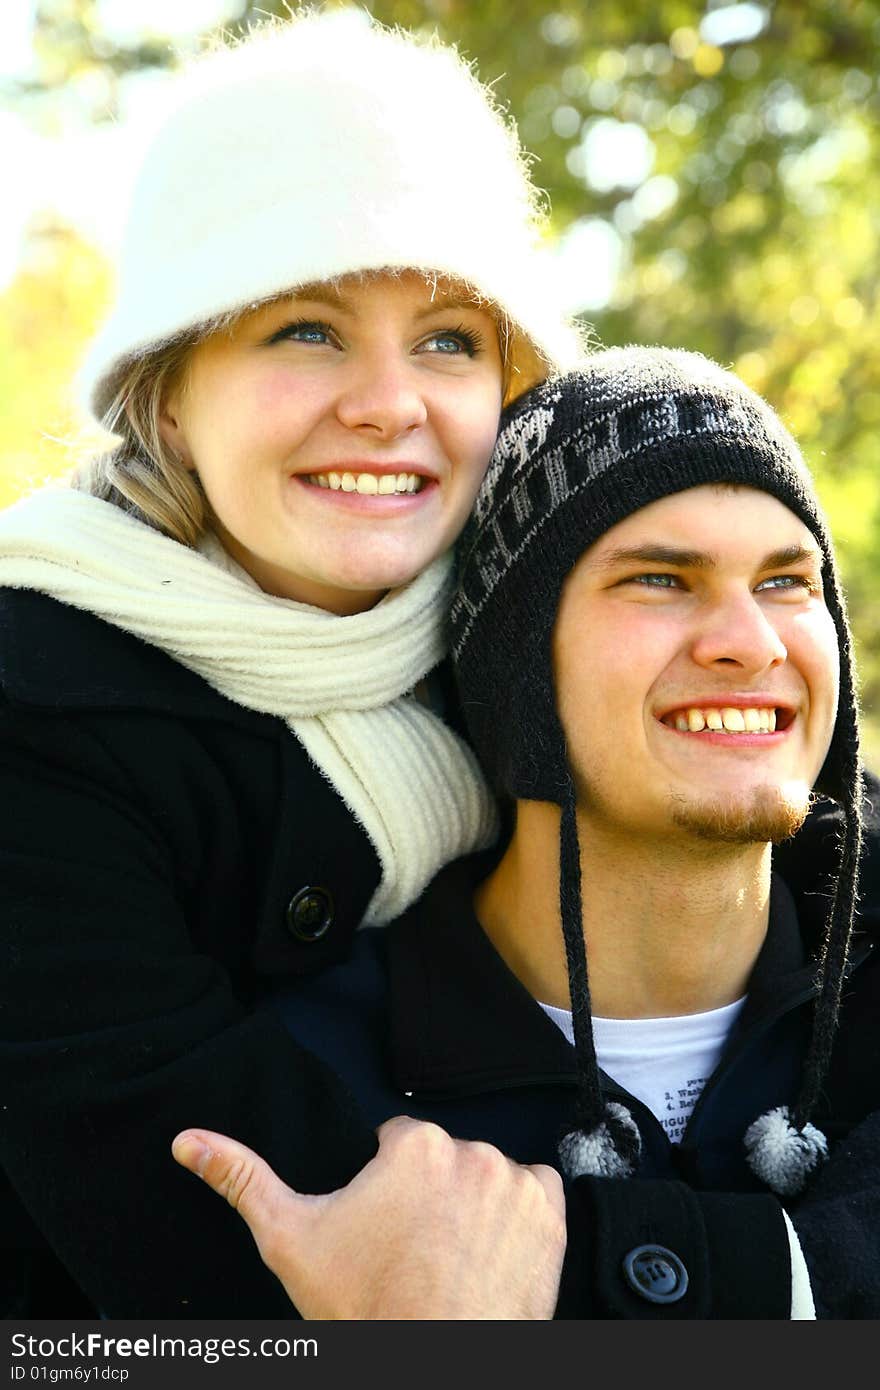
(342, 684)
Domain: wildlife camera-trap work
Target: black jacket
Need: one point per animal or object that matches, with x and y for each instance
(154, 836)
(156, 844)
(426, 1018)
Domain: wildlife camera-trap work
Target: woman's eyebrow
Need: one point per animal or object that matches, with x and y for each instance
(335, 299)
(445, 303)
(322, 294)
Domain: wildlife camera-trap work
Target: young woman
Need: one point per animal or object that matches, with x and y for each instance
(223, 748)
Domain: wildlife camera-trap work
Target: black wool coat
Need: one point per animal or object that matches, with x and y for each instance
(160, 853)
(426, 1016)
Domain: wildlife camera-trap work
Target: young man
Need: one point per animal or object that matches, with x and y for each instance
(654, 664)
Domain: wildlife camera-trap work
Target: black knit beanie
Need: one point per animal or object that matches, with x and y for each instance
(574, 457)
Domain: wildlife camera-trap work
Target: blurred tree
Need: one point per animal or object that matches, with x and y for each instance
(46, 315)
(719, 162)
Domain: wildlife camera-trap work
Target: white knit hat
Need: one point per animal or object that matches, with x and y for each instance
(312, 149)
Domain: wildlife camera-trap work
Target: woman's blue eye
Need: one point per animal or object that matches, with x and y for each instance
(305, 331)
(447, 343)
(453, 343)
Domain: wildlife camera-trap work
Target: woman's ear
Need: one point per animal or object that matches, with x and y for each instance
(172, 431)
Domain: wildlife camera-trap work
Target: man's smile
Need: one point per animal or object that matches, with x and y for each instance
(729, 716)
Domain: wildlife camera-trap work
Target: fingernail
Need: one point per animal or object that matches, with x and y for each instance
(190, 1152)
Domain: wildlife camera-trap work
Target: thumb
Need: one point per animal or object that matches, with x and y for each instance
(247, 1182)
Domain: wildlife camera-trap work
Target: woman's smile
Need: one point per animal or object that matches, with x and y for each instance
(367, 483)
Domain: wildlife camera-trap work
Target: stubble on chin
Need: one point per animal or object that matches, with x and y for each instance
(770, 814)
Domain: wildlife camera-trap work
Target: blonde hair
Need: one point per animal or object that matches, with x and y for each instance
(142, 474)
(145, 477)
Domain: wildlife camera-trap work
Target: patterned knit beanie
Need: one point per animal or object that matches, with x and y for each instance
(318, 147)
(574, 457)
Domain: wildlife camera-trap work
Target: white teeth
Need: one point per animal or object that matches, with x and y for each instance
(369, 484)
(730, 719)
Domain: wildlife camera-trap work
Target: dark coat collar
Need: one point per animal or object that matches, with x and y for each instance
(460, 1019)
(55, 656)
(459, 1016)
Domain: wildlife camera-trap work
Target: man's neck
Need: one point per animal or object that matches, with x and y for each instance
(671, 927)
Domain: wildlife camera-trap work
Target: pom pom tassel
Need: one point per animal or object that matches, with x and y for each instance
(782, 1156)
(596, 1154)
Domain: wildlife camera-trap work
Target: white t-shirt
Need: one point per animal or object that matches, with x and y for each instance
(663, 1062)
(666, 1062)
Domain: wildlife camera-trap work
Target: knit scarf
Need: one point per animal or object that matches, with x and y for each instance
(342, 684)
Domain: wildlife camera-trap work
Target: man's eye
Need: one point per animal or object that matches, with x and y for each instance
(304, 331)
(454, 343)
(796, 582)
(655, 581)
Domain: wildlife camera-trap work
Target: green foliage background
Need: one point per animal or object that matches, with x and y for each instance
(757, 242)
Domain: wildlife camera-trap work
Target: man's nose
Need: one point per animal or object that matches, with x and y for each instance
(382, 399)
(737, 633)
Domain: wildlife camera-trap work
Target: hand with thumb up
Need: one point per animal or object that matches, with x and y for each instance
(433, 1227)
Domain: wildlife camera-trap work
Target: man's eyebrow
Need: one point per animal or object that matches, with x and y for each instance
(679, 558)
(791, 555)
(655, 554)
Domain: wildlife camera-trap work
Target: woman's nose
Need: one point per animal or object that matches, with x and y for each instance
(383, 400)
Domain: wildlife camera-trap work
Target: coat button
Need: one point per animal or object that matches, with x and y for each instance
(310, 914)
(655, 1273)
